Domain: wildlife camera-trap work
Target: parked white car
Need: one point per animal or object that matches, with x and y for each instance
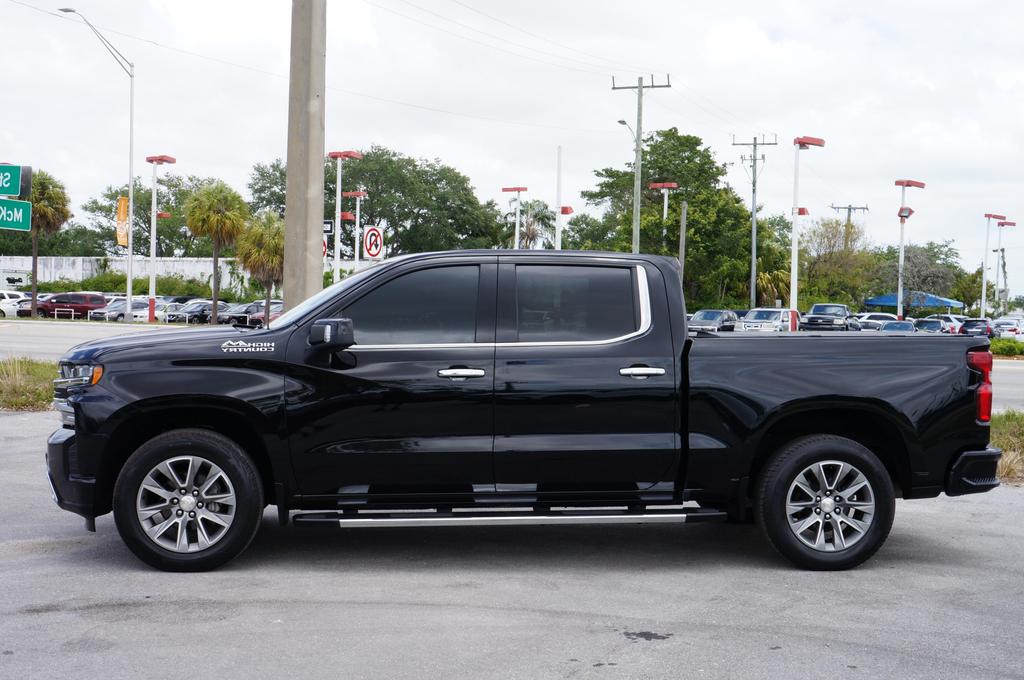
(160, 311)
(1009, 327)
(770, 320)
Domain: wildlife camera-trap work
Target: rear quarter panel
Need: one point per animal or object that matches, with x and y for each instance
(919, 388)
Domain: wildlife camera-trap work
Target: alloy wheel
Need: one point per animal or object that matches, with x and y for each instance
(830, 506)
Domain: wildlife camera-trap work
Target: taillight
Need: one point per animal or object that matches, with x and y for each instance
(982, 361)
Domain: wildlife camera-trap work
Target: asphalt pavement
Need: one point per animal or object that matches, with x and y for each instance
(50, 339)
(942, 599)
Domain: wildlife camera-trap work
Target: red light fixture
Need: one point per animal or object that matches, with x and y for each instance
(353, 155)
(994, 216)
(910, 183)
(161, 160)
(803, 211)
(808, 142)
(513, 189)
(566, 209)
(663, 185)
(1006, 224)
(348, 217)
(163, 215)
(354, 194)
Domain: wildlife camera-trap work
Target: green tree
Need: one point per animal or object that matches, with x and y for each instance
(536, 225)
(218, 212)
(419, 204)
(50, 210)
(261, 251)
(174, 239)
(586, 232)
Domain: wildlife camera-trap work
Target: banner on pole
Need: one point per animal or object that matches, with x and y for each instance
(122, 220)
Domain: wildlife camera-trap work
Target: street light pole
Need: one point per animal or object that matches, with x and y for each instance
(155, 161)
(664, 188)
(984, 263)
(129, 68)
(359, 196)
(338, 157)
(799, 144)
(904, 214)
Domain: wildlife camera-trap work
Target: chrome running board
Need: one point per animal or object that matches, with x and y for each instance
(364, 519)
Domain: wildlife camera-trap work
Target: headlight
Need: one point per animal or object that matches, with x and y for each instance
(75, 375)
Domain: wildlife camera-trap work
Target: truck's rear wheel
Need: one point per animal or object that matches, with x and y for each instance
(825, 502)
(188, 500)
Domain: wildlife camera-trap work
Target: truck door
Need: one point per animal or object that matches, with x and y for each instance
(585, 385)
(408, 409)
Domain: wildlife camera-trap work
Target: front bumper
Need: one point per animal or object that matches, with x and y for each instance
(72, 492)
(973, 472)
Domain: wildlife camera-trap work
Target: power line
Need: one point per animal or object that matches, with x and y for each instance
(354, 93)
(631, 67)
(848, 231)
(501, 38)
(480, 42)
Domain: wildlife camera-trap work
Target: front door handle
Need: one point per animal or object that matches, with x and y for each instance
(641, 372)
(461, 373)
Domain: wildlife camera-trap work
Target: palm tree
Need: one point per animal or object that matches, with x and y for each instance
(219, 213)
(261, 251)
(538, 225)
(49, 212)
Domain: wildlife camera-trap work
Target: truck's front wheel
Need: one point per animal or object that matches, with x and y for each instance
(825, 502)
(188, 500)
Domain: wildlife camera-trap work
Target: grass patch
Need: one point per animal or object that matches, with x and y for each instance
(1008, 435)
(26, 384)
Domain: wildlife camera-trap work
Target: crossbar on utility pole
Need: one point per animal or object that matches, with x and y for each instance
(848, 227)
(638, 138)
(753, 159)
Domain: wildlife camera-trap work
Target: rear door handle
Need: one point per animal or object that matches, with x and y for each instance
(461, 373)
(641, 372)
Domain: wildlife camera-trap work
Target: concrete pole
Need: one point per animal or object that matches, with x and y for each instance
(131, 190)
(984, 270)
(664, 205)
(304, 195)
(359, 236)
(152, 255)
(899, 274)
(558, 201)
(999, 266)
(795, 232)
(682, 240)
(638, 159)
(515, 242)
(753, 225)
(336, 270)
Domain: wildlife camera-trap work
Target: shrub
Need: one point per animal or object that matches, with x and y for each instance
(1006, 347)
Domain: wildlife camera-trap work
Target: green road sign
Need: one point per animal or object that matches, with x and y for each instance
(10, 180)
(15, 215)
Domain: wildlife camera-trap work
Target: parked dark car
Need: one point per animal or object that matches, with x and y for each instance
(197, 311)
(244, 312)
(829, 317)
(259, 318)
(930, 326)
(898, 327)
(514, 387)
(714, 320)
(66, 305)
(874, 320)
(977, 327)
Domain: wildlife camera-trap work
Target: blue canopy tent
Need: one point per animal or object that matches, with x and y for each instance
(914, 298)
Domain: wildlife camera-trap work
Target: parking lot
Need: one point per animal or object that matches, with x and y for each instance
(941, 600)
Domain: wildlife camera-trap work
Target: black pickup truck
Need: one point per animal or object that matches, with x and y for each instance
(513, 387)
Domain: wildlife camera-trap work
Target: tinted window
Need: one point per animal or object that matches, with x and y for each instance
(429, 306)
(567, 304)
(61, 299)
(762, 315)
(706, 315)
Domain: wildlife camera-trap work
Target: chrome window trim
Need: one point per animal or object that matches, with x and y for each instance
(645, 326)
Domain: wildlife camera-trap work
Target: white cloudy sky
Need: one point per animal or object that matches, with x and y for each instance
(917, 89)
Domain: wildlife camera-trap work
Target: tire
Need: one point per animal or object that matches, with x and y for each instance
(40, 313)
(119, 318)
(201, 455)
(808, 460)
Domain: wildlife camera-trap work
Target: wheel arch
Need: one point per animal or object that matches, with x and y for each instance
(874, 428)
(146, 419)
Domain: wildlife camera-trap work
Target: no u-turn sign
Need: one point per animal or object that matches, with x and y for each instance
(373, 242)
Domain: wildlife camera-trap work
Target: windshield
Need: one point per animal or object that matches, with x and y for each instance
(829, 310)
(1005, 323)
(194, 306)
(706, 315)
(311, 303)
(762, 315)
